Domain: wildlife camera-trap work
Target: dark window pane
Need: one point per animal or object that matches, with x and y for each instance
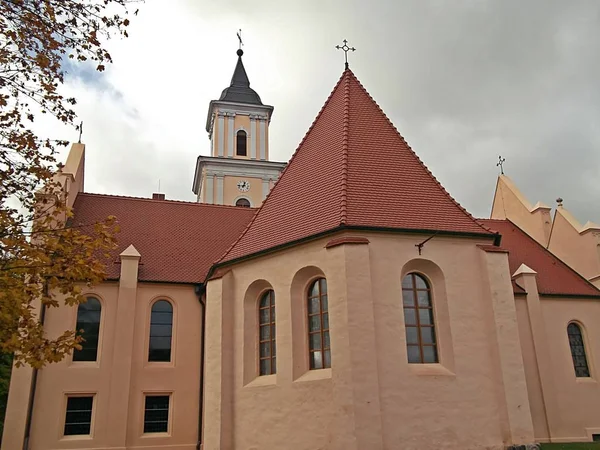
(265, 349)
(318, 325)
(423, 299)
(420, 282)
(427, 335)
(408, 298)
(314, 323)
(88, 325)
(327, 362)
(412, 335)
(418, 320)
(425, 317)
(161, 331)
(316, 361)
(429, 354)
(314, 305)
(265, 332)
(576, 343)
(265, 366)
(266, 336)
(156, 414)
(273, 365)
(315, 341)
(78, 417)
(265, 316)
(414, 354)
(410, 316)
(324, 303)
(241, 143)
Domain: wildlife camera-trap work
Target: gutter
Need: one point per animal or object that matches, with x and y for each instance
(200, 290)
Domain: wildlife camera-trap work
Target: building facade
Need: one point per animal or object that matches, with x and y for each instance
(344, 313)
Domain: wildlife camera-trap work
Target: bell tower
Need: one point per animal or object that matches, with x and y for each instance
(239, 171)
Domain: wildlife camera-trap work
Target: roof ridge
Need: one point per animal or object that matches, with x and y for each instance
(345, 128)
(283, 172)
(151, 200)
(441, 187)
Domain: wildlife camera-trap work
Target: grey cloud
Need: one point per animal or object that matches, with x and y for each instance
(463, 81)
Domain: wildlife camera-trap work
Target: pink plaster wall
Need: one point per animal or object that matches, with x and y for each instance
(371, 398)
(103, 378)
(577, 400)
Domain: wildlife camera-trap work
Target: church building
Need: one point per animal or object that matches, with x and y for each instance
(342, 301)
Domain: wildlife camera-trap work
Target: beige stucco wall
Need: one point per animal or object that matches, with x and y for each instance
(568, 408)
(579, 249)
(510, 203)
(119, 402)
(231, 193)
(371, 398)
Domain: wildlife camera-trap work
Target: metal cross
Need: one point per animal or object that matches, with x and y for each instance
(346, 49)
(239, 36)
(80, 131)
(500, 163)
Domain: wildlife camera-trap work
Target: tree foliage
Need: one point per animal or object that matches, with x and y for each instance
(42, 256)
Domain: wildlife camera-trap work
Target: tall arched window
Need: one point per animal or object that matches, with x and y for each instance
(161, 331)
(578, 350)
(244, 202)
(241, 143)
(88, 324)
(418, 320)
(319, 347)
(266, 334)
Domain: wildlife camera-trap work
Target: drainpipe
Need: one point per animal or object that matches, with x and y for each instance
(200, 290)
(33, 385)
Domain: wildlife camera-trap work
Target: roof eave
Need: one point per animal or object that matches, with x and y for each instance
(341, 228)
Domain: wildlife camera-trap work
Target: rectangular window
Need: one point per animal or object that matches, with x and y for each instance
(156, 414)
(596, 437)
(78, 420)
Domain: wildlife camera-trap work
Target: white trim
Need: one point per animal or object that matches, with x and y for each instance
(219, 190)
(230, 136)
(209, 195)
(221, 125)
(263, 127)
(265, 188)
(252, 137)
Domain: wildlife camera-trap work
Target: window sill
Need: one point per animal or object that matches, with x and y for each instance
(435, 370)
(85, 364)
(77, 437)
(314, 375)
(263, 380)
(155, 435)
(585, 380)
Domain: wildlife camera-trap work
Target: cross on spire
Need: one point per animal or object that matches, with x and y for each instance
(239, 36)
(500, 164)
(80, 131)
(346, 49)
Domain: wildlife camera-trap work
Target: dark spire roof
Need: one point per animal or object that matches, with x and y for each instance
(239, 90)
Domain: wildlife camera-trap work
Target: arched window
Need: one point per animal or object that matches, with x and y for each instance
(161, 331)
(88, 324)
(319, 347)
(578, 350)
(266, 333)
(244, 202)
(241, 142)
(418, 320)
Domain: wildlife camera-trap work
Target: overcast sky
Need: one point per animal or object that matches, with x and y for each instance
(463, 80)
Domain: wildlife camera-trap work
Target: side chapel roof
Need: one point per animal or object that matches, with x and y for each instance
(178, 241)
(352, 169)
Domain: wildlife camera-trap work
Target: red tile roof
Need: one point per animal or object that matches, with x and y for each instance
(553, 276)
(178, 241)
(352, 168)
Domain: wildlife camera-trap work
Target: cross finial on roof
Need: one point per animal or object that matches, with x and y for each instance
(239, 36)
(500, 164)
(346, 49)
(80, 131)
